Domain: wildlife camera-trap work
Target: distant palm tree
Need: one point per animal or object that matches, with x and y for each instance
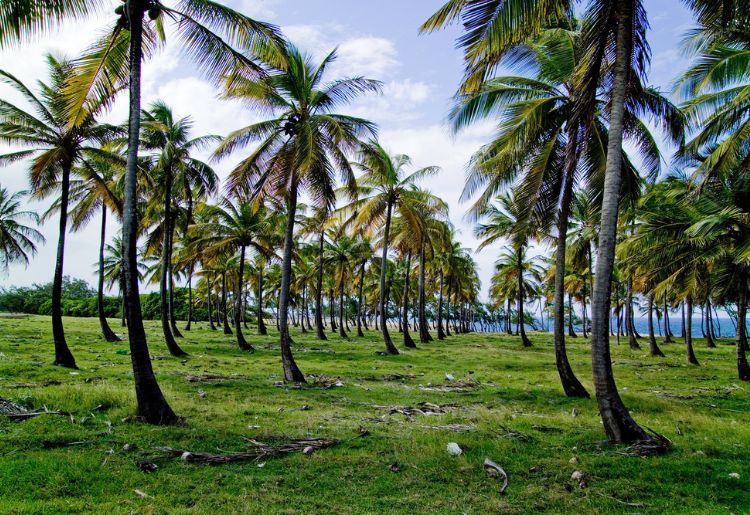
(17, 241)
(300, 148)
(57, 146)
(384, 187)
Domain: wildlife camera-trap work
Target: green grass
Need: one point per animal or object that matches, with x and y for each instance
(703, 410)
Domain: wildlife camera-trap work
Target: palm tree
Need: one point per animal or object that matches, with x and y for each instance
(169, 140)
(301, 147)
(232, 228)
(98, 188)
(56, 147)
(384, 187)
(504, 221)
(17, 241)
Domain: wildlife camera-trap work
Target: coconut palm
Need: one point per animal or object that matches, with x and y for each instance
(385, 187)
(55, 147)
(299, 149)
(235, 227)
(17, 241)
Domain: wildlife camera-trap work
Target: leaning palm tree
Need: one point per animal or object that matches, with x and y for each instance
(55, 147)
(17, 241)
(385, 187)
(234, 228)
(299, 149)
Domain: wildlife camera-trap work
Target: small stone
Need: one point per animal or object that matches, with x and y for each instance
(201, 394)
(573, 461)
(308, 450)
(129, 447)
(261, 465)
(734, 475)
(574, 412)
(186, 456)
(449, 377)
(454, 449)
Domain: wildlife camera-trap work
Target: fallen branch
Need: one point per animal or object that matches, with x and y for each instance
(260, 451)
(495, 470)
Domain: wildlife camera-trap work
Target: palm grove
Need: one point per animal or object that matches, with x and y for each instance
(321, 229)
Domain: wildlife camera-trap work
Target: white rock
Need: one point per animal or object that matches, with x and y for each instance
(578, 475)
(308, 450)
(734, 475)
(454, 449)
(573, 461)
(186, 455)
(449, 377)
(261, 465)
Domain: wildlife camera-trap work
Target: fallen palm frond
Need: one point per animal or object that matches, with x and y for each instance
(260, 450)
(423, 409)
(17, 412)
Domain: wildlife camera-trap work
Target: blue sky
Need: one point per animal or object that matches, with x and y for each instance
(378, 39)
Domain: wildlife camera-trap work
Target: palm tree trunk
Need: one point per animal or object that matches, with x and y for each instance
(389, 347)
(332, 310)
(441, 333)
(521, 330)
(743, 369)
(303, 309)
(172, 317)
(424, 334)
(164, 290)
(109, 334)
(689, 335)
(571, 313)
(225, 318)
(360, 298)
(629, 315)
(583, 310)
(653, 347)
(238, 309)
(291, 370)
(262, 330)
(667, 330)
(320, 333)
(710, 343)
(152, 405)
(408, 340)
(190, 299)
(342, 331)
(210, 293)
(448, 310)
(63, 356)
(570, 383)
(618, 424)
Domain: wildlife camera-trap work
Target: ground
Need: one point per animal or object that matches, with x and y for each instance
(511, 405)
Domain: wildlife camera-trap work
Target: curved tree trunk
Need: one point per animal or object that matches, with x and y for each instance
(618, 424)
(291, 370)
(689, 334)
(164, 289)
(408, 340)
(389, 347)
(224, 316)
(743, 369)
(653, 347)
(63, 356)
(570, 383)
(152, 405)
(109, 334)
(238, 308)
(262, 330)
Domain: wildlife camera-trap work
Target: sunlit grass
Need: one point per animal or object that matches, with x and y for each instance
(703, 410)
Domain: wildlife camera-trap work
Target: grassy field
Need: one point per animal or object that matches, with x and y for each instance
(511, 406)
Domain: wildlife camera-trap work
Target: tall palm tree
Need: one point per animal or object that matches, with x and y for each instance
(504, 220)
(55, 147)
(385, 187)
(299, 149)
(17, 241)
(97, 188)
(168, 140)
(235, 228)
